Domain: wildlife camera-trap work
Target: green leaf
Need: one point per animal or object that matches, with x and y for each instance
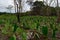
(37, 26)
(54, 33)
(44, 30)
(12, 37)
(24, 36)
(15, 27)
(51, 25)
(1, 21)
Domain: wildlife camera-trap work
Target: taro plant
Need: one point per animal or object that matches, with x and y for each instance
(38, 25)
(54, 29)
(45, 32)
(51, 25)
(13, 37)
(54, 33)
(15, 28)
(24, 36)
(25, 26)
(1, 21)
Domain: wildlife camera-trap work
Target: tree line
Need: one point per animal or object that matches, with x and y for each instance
(39, 8)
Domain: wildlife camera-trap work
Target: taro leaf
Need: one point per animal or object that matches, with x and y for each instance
(24, 36)
(51, 26)
(44, 30)
(12, 37)
(37, 26)
(54, 32)
(25, 26)
(56, 29)
(1, 21)
(15, 27)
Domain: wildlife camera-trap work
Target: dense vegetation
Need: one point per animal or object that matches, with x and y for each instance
(39, 8)
(41, 25)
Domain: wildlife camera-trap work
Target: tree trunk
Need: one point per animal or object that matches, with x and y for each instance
(15, 5)
(58, 15)
(15, 8)
(47, 12)
(18, 17)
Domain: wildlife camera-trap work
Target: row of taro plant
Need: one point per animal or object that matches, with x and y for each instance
(36, 24)
(38, 33)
